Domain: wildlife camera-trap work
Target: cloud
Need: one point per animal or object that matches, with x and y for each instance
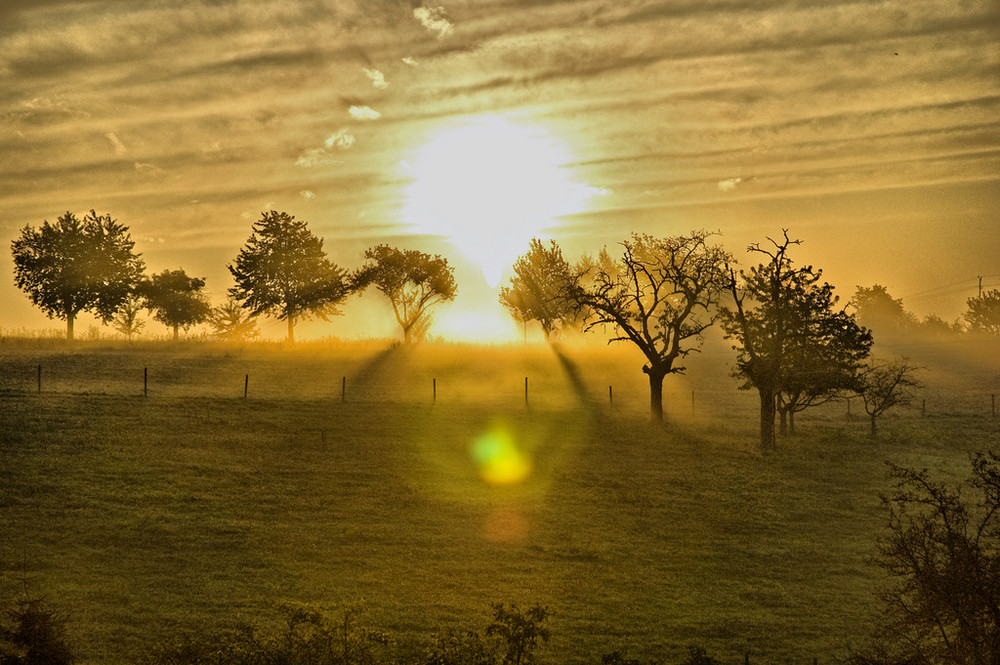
(364, 113)
(377, 78)
(729, 185)
(410, 61)
(433, 19)
(315, 157)
(148, 170)
(306, 194)
(116, 144)
(343, 139)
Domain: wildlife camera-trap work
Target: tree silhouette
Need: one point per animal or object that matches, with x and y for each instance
(791, 342)
(984, 312)
(659, 296)
(412, 281)
(942, 552)
(283, 271)
(886, 384)
(231, 323)
(880, 312)
(176, 300)
(537, 291)
(76, 266)
(127, 321)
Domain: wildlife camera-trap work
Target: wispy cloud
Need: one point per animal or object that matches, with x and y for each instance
(315, 157)
(363, 113)
(306, 194)
(377, 78)
(342, 139)
(410, 61)
(433, 18)
(116, 145)
(729, 185)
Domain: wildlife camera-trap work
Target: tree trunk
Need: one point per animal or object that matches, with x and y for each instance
(783, 421)
(791, 422)
(655, 393)
(70, 320)
(767, 411)
(874, 431)
(291, 329)
(407, 336)
(177, 334)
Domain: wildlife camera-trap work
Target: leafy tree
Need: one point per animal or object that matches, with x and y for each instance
(519, 632)
(231, 323)
(887, 384)
(880, 312)
(412, 281)
(659, 296)
(984, 312)
(537, 289)
(176, 300)
(942, 552)
(76, 266)
(127, 321)
(284, 271)
(791, 342)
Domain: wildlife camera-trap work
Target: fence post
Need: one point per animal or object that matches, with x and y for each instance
(611, 396)
(434, 391)
(39, 379)
(145, 381)
(246, 384)
(526, 391)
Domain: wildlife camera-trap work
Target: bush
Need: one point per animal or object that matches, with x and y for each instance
(33, 634)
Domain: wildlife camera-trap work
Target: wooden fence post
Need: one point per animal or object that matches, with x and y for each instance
(246, 384)
(611, 396)
(434, 391)
(343, 389)
(526, 391)
(145, 381)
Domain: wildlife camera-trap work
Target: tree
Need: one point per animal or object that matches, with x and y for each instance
(284, 271)
(942, 553)
(537, 289)
(76, 266)
(984, 312)
(885, 385)
(230, 323)
(412, 281)
(176, 300)
(791, 342)
(659, 296)
(880, 312)
(127, 321)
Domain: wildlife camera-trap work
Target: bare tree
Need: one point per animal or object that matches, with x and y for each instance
(942, 553)
(885, 385)
(231, 323)
(413, 281)
(660, 296)
(127, 321)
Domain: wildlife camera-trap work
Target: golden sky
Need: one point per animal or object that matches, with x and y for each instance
(870, 129)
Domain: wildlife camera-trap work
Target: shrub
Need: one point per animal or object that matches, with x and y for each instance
(33, 634)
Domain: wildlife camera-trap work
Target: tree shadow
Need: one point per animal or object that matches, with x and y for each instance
(373, 377)
(572, 372)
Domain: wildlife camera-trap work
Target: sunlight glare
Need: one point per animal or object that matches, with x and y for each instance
(498, 457)
(489, 185)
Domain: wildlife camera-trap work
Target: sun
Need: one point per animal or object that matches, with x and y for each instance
(489, 185)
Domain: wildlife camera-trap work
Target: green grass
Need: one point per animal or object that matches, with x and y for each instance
(193, 509)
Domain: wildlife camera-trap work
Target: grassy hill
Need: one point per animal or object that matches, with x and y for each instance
(192, 509)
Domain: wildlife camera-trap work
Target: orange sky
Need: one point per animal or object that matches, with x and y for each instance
(870, 129)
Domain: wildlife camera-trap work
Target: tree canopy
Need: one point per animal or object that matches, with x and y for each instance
(983, 314)
(176, 300)
(537, 291)
(660, 296)
(792, 343)
(878, 311)
(412, 281)
(283, 271)
(76, 265)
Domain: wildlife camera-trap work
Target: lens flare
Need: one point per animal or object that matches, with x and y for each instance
(499, 460)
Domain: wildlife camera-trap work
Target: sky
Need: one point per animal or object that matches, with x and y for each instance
(869, 129)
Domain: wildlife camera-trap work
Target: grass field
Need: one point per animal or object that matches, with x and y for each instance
(192, 509)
